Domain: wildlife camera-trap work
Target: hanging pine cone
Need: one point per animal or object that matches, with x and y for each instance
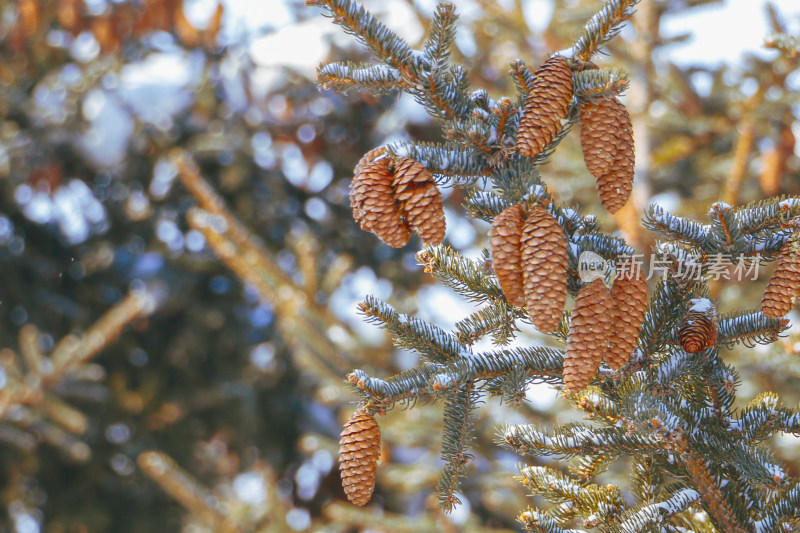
(506, 257)
(359, 450)
(588, 335)
(607, 143)
(373, 203)
(699, 328)
(420, 200)
(628, 306)
(544, 259)
(784, 285)
(546, 105)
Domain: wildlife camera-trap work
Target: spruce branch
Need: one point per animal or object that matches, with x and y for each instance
(466, 277)
(675, 228)
(456, 437)
(441, 35)
(357, 21)
(782, 509)
(570, 440)
(646, 479)
(428, 340)
(603, 27)
(346, 76)
(762, 417)
(657, 514)
(453, 165)
(538, 522)
(713, 499)
(596, 84)
(597, 504)
(750, 328)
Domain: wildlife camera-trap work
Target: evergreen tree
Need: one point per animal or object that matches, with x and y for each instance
(657, 390)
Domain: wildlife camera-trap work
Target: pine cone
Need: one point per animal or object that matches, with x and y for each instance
(420, 201)
(608, 151)
(359, 450)
(628, 306)
(588, 335)
(784, 285)
(506, 257)
(544, 259)
(699, 328)
(373, 203)
(546, 105)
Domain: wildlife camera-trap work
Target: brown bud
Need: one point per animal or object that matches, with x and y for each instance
(588, 335)
(359, 450)
(546, 104)
(504, 238)
(544, 262)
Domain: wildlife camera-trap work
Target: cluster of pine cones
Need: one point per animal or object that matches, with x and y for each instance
(391, 196)
(529, 257)
(606, 131)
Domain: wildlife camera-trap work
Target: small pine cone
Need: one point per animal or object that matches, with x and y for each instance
(628, 306)
(544, 261)
(506, 256)
(546, 105)
(783, 286)
(374, 206)
(588, 335)
(359, 450)
(420, 200)
(699, 328)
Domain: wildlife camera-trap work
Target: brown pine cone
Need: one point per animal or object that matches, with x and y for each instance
(588, 335)
(546, 104)
(420, 200)
(543, 248)
(608, 151)
(373, 203)
(506, 257)
(359, 450)
(784, 285)
(628, 306)
(699, 328)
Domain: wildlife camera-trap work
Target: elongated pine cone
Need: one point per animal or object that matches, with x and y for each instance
(588, 335)
(784, 285)
(359, 450)
(628, 307)
(546, 105)
(504, 238)
(544, 258)
(373, 203)
(607, 143)
(420, 200)
(699, 328)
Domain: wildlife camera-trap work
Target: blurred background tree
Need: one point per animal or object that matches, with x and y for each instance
(207, 405)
